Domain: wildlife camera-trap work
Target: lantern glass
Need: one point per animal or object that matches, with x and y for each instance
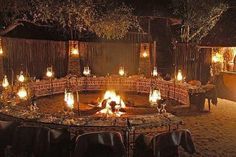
(86, 71)
(1, 51)
(75, 51)
(69, 99)
(154, 96)
(145, 54)
(49, 72)
(121, 71)
(179, 76)
(154, 72)
(5, 82)
(21, 77)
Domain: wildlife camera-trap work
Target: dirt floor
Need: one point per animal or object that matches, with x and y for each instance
(214, 132)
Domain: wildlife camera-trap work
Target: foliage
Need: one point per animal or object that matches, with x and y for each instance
(105, 18)
(199, 16)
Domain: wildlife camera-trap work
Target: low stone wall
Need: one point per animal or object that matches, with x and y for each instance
(169, 89)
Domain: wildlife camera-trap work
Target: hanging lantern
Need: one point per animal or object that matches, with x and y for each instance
(121, 71)
(69, 99)
(154, 72)
(5, 82)
(22, 93)
(21, 77)
(49, 72)
(179, 76)
(154, 96)
(86, 71)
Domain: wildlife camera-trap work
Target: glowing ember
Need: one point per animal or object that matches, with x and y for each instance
(111, 104)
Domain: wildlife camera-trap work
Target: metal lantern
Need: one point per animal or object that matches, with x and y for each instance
(22, 93)
(121, 71)
(69, 99)
(21, 77)
(154, 96)
(86, 71)
(5, 82)
(179, 76)
(154, 72)
(49, 72)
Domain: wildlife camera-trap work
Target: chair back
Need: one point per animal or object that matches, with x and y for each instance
(31, 141)
(100, 144)
(166, 144)
(7, 129)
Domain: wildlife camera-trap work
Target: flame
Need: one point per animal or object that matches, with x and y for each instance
(111, 96)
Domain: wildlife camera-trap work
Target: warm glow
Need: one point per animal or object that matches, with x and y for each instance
(217, 58)
(75, 51)
(22, 93)
(145, 54)
(69, 99)
(154, 96)
(5, 82)
(1, 51)
(155, 73)
(179, 76)
(110, 96)
(21, 77)
(49, 72)
(86, 71)
(121, 71)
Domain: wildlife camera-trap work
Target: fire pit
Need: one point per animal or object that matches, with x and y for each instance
(111, 104)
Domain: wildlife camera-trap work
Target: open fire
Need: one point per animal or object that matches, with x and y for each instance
(111, 104)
